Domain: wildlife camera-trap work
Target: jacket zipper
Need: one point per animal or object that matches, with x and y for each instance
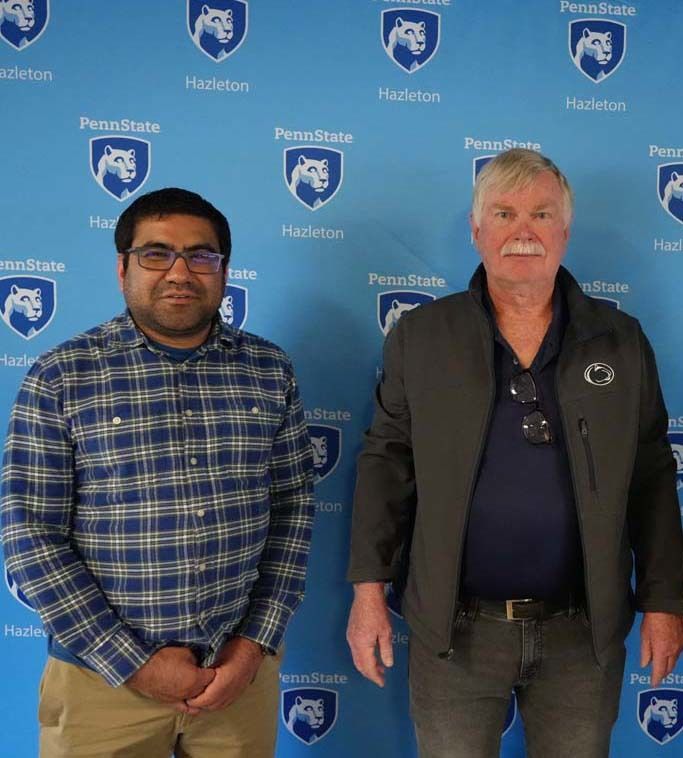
(583, 428)
(482, 442)
(563, 421)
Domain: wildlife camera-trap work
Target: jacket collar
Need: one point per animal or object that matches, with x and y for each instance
(585, 320)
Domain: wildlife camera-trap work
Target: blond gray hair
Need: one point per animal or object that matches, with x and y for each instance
(516, 169)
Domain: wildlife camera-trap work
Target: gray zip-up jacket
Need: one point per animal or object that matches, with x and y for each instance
(417, 472)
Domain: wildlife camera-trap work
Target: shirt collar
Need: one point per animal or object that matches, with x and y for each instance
(126, 333)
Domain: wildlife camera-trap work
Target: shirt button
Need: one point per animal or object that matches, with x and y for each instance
(200, 513)
(255, 410)
(202, 567)
(193, 461)
(116, 420)
(188, 412)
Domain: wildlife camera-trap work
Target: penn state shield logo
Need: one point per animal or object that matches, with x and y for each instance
(217, 27)
(676, 442)
(22, 22)
(313, 174)
(410, 37)
(392, 305)
(15, 591)
(597, 47)
(670, 189)
(478, 164)
(309, 713)
(511, 714)
(120, 165)
(27, 304)
(659, 714)
(326, 444)
(235, 305)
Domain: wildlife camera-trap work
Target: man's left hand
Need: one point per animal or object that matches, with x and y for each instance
(236, 668)
(661, 641)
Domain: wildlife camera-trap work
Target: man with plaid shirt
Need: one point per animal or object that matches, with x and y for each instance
(157, 507)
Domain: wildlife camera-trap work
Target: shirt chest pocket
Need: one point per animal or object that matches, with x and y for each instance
(241, 435)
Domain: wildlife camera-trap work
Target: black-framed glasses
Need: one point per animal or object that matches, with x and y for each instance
(535, 426)
(163, 259)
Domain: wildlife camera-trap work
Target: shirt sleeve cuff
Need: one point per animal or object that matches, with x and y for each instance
(119, 656)
(266, 624)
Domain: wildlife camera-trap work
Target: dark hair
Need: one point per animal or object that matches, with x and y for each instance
(166, 202)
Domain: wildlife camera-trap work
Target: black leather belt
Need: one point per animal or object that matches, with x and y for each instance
(523, 609)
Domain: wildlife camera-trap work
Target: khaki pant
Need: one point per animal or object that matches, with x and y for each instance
(82, 716)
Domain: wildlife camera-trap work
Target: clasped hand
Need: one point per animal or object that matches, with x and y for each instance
(172, 676)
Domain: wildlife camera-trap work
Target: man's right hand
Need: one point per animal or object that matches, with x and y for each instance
(369, 627)
(172, 676)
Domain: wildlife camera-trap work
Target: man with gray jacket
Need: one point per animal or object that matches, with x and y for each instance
(516, 465)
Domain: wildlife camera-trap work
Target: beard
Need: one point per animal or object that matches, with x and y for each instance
(172, 311)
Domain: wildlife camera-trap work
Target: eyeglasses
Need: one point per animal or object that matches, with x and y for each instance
(535, 426)
(163, 259)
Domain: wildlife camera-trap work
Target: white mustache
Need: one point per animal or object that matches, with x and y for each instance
(522, 248)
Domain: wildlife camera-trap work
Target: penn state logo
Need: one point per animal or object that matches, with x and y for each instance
(217, 27)
(658, 714)
(511, 714)
(313, 174)
(235, 305)
(15, 591)
(597, 47)
(478, 164)
(27, 303)
(326, 443)
(392, 305)
(22, 22)
(676, 442)
(599, 374)
(670, 189)
(309, 713)
(609, 300)
(120, 165)
(410, 37)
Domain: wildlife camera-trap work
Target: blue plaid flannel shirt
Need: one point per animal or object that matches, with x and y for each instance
(149, 502)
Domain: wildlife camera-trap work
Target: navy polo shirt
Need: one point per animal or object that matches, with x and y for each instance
(523, 537)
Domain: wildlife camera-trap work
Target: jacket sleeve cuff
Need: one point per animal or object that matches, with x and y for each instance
(662, 605)
(119, 656)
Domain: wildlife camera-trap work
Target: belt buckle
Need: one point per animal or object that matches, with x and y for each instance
(510, 608)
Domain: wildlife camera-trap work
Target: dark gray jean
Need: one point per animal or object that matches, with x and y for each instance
(568, 704)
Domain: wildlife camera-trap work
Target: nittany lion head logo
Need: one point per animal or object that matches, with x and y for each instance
(27, 303)
(392, 305)
(217, 27)
(326, 444)
(120, 165)
(676, 442)
(235, 305)
(599, 374)
(597, 47)
(313, 174)
(15, 591)
(670, 189)
(309, 713)
(410, 38)
(658, 714)
(23, 21)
